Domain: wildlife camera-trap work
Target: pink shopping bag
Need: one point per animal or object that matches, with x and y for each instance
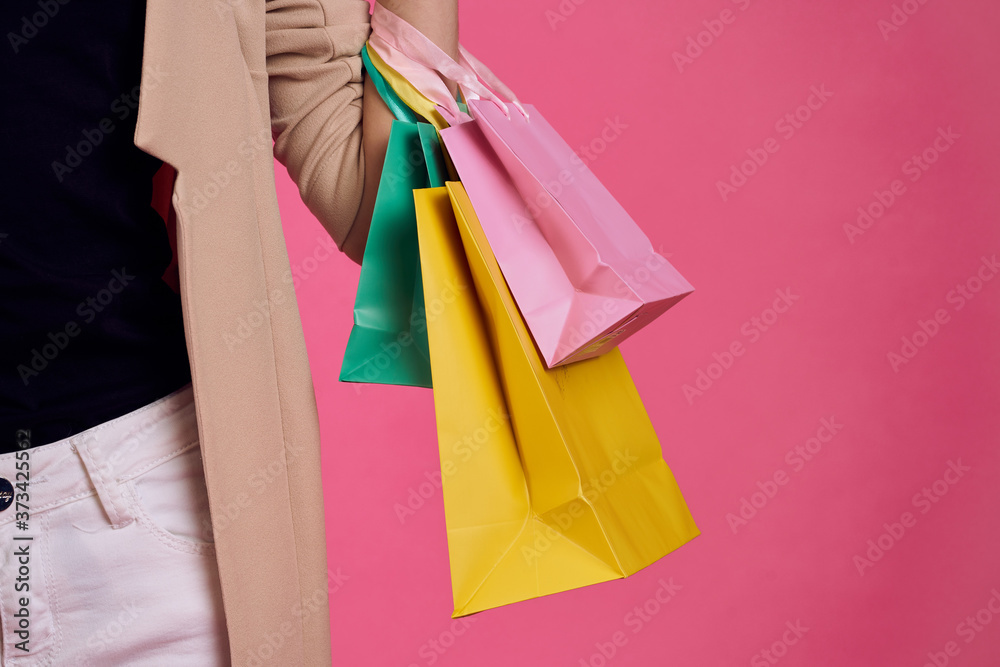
(613, 283)
(583, 274)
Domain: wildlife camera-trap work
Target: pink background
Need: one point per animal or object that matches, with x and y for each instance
(826, 357)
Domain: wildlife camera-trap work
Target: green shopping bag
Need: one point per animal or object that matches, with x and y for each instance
(388, 343)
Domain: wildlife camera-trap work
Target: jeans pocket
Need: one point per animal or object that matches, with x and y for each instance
(171, 501)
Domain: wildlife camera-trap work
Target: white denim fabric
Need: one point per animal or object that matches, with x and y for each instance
(120, 566)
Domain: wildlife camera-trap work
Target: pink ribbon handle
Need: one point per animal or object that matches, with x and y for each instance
(391, 33)
(492, 80)
(428, 82)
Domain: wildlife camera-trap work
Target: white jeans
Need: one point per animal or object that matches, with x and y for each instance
(106, 552)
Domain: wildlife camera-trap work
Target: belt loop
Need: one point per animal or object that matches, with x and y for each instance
(101, 473)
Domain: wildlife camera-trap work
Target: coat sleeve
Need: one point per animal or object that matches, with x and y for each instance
(315, 89)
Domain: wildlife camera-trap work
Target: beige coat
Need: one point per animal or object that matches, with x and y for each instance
(219, 77)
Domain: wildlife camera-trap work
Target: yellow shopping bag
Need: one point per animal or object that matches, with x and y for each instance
(553, 479)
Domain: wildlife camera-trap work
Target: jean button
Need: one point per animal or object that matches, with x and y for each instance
(6, 493)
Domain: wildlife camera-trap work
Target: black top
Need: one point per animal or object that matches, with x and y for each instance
(88, 328)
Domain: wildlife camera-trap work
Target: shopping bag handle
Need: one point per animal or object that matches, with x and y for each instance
(408, 93)
(391, 35)
(388, 95)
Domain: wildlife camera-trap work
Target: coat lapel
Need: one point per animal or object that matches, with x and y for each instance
(199, 111)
